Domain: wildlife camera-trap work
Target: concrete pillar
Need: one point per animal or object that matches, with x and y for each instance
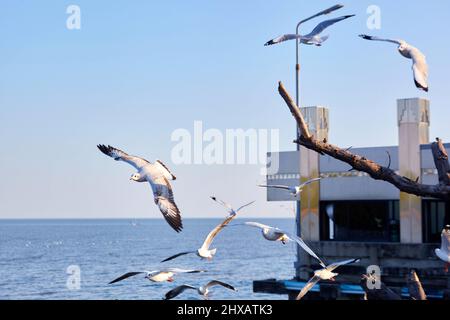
(317, 120)
(413, 126)
(318, 124)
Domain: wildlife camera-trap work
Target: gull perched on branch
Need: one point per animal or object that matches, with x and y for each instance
(444, 252)
(419, 67)
(312, 38)
(157, 275)
(275, 234)
(295, 191)
(324, 274)
(158, 175)
(203, 290)
(204, 252)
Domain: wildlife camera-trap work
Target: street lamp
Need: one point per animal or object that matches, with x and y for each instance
(297, 92)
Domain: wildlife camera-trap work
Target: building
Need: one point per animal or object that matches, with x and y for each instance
(350, 215)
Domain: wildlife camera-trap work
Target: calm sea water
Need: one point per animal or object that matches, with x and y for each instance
(35, 255)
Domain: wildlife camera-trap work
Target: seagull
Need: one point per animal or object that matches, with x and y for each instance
(312, 38)
(157, 275)
(444, 252)
(204, 252)
(324, 274)
(203, 290)
(275, 234)
(295, 191)
(158, 175)
(420, 66)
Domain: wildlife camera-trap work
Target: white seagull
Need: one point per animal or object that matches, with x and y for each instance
(203, 290)
(324, 274)
(312, 38)
(295, 191)
(158, 175)
(275, 234)
(204, 252)
(157, 275)
(444, 252)
(419, 67)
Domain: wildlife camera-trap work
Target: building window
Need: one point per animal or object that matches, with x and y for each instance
(433, 220)
(369, 221)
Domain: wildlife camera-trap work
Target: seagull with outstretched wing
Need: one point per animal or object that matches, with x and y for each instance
(324, 274)
(203, 290)
(157, 275)
(419, 67)
(158, 175)
(275, 234)
(312, 38)
(295, 191)
(204, 252)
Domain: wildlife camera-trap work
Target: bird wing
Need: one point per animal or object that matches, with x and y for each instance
(258, 225)
(420, 69)
(178, 255)
(245, 205)
(372, 38)
(119, 155)
(162, 191)
(219, 283)
(164, 170)
(226, 205)
(335, 265)
(311, 283)
(325, 24)
(176, 291)
(283, 38)
(178, 270)
(305, 247)
(209, 239)
(309, 182)
(275, 187)
(125, 276)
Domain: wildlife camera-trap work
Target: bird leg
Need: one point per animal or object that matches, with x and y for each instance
(447, 266)
(170, 279)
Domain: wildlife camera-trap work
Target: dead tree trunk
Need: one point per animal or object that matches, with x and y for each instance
(374, 170)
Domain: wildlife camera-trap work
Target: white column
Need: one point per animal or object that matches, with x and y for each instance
(317, 120)
(413, 124)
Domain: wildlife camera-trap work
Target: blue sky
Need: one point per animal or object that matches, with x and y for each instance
(136, 71)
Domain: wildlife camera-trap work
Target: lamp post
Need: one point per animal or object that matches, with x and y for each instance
(297, 91)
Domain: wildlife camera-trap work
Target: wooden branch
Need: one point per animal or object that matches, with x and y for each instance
(359, 163)
(415, 288)
(296, 113)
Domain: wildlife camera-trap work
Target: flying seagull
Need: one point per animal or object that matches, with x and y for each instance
(156, 275)
(444, 252)
(275, 234)
(312, 38)
(204, 252)
(158, 175)
(295, 191)
(203, 290)
(419, 67)
(324, 274)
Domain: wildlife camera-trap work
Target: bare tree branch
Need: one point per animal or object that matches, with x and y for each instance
(375, 171)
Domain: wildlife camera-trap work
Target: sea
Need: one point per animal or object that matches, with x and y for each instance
(76, 259)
